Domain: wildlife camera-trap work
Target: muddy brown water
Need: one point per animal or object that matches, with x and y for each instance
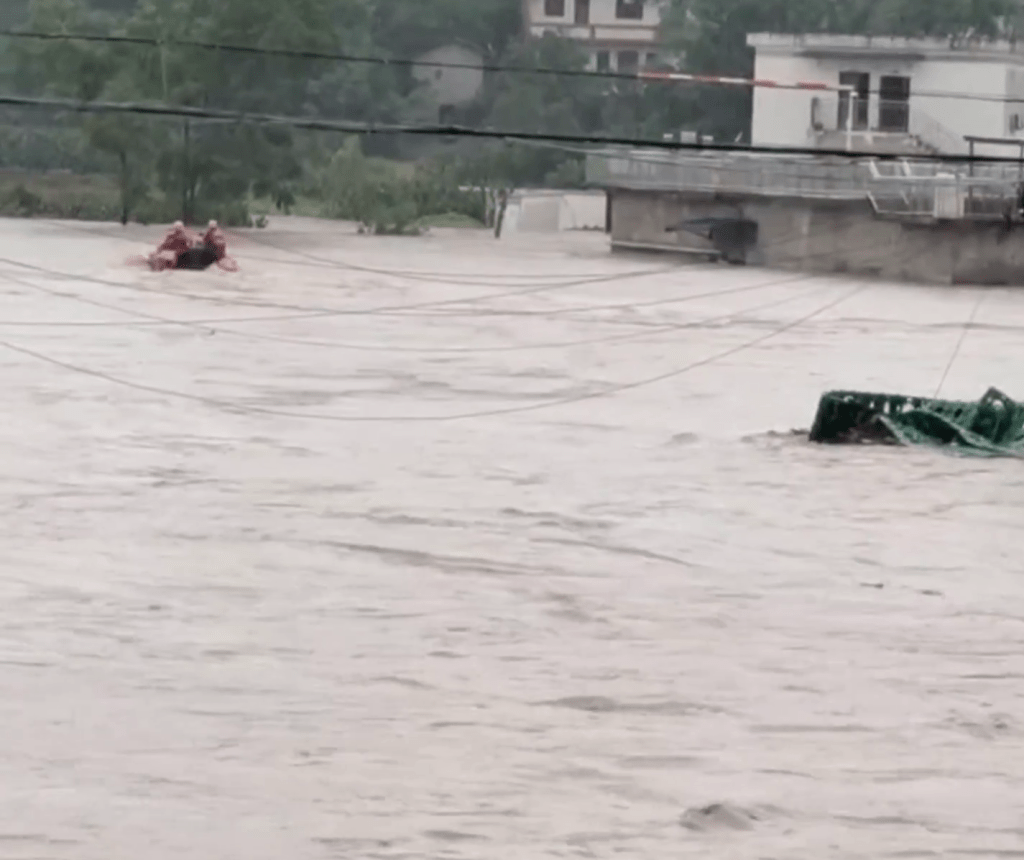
(262, 599)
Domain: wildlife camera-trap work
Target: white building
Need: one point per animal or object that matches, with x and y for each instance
(908, 95)
(450, 75)
(618, 35)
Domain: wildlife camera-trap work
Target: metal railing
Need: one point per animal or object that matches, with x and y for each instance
(907, 187)
(803, 177)
(882, 126)
(933, 133)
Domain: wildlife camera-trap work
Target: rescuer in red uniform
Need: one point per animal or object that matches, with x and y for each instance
(177, 241)
(214, 239)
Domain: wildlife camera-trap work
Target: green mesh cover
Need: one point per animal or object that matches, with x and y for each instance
(991, 427)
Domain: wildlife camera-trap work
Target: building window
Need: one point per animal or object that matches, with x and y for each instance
(631, 10)
(628, 62)
(582, 11)
(894, 104)
(554, 8)
(604, 61)
(652, 60)
(860, 84)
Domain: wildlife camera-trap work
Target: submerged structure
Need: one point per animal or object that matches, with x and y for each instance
(871, 156)
(990, 427)
(915, 220)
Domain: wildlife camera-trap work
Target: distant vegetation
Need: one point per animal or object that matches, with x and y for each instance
(156, 169)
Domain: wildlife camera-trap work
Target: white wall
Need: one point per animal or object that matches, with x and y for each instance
(783, 117)
(1015, 90)
(960, 115)
(601, 12)
(547, 211)
(449, 86)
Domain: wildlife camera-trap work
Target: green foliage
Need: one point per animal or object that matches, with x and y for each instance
(57, 196)
(411, 27)
(207, 167)
(166, 167)
(568, 105)
(384, 198)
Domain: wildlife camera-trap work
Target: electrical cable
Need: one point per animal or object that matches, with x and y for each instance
(207, 324)
(212, 327)
(395, 62)
(453, 131)
(960, 342)
(545, 404)
(431, 277)
(459, 278)
(440, 278)
(648, 332)
(328, 263)
(304, 312)
(553, 313)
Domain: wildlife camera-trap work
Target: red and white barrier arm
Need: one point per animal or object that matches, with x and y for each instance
(743, 82)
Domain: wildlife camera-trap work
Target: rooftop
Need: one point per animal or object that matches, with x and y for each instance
(820, 44)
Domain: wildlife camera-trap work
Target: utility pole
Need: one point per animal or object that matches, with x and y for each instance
(186, 173)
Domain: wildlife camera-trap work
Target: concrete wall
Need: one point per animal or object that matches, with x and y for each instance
(842, 236)
(554, 211)
(783, 117)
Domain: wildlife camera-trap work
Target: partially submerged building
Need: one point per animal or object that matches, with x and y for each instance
(901, 215)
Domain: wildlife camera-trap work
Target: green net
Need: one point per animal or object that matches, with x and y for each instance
(990, 427)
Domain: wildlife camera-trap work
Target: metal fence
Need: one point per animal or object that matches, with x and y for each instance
(805, 177)
(901, 187)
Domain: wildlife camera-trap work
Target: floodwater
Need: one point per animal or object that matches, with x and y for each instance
(448, 547)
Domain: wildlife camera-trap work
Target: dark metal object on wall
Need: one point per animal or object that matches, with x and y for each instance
(733, 238)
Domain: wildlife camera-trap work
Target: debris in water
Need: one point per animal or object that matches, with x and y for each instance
(991, 427)
(718, 816)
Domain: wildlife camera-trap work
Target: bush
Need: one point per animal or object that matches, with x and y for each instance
(58, 196)
(389, 198)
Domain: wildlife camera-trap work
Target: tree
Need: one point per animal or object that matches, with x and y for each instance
(13, 12)
(408, 28)
(207, 167)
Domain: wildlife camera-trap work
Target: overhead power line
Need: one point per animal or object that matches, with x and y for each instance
(428, 130)
(297, 54)
(639, 76)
